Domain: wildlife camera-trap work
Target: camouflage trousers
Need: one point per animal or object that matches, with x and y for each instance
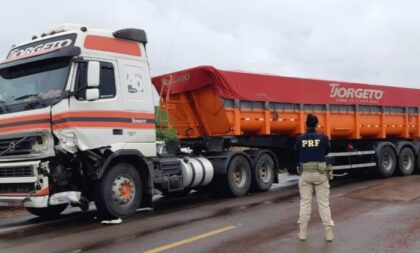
(308, 182)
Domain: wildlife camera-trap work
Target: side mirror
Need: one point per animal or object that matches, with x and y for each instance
(92, 94)
(93, 74)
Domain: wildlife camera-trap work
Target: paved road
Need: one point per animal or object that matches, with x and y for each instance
(371, 216)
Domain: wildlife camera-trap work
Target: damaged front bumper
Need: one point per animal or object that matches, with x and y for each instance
(26, 184)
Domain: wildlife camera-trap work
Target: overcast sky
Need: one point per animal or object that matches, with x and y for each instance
(375, 41)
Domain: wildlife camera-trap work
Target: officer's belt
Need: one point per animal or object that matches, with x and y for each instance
(312, 167)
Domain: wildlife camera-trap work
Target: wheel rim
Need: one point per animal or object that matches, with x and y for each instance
(239, 176)
(387, 162)
(407, 163)
(265, 172)
(123, 190)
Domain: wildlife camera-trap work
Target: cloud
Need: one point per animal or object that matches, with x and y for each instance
(365, 41)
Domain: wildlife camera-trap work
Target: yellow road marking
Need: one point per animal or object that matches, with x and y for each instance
(189, 240)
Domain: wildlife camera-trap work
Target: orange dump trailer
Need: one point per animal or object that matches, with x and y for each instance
(369, 125)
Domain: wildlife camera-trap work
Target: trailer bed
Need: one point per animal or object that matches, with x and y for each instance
(205, 101)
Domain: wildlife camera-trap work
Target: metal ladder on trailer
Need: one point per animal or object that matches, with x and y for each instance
(162, 116)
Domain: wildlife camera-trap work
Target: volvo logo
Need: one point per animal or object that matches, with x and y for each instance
(12, 146)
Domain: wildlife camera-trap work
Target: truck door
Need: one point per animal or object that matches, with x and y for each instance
(95, 123)
(136, 90)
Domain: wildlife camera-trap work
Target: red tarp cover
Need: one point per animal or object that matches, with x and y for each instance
(258, 87)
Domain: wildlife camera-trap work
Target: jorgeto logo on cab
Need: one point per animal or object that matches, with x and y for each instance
(41, 47)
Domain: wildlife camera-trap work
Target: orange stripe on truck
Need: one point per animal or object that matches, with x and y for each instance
(104, 119)
(86, 119)
(25, 127)
(112, 45)
(24, 118)
(113, 114)
(21, 123)
(104, 125)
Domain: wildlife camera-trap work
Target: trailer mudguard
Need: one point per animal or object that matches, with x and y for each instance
(402, 144)
(379, 145)
(221, 161)
(416, 148)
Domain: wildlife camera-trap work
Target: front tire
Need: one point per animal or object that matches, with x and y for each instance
(47, 212)
(120, 192)
(406, 161)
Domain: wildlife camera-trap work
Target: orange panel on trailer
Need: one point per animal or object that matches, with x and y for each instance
(204, 101)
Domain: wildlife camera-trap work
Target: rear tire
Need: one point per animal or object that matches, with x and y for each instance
(47, 212)
(263, 173)
(387, 161)
(120, 192)
(406, 162)
(237, 181)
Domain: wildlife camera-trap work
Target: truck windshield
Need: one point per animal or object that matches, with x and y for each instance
(32, 86)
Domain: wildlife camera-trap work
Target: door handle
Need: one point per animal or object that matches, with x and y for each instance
(117, 131)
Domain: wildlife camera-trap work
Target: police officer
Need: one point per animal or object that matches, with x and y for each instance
(311, 149)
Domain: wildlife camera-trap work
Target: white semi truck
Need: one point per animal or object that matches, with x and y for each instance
(77, 124)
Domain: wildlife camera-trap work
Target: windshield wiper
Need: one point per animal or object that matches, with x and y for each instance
(32, 104)
(27, 96)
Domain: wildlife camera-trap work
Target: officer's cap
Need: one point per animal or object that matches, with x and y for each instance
(311, 121)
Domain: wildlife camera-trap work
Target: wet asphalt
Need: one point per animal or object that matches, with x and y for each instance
(371, 216)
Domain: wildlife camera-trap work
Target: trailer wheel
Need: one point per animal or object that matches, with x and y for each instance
(263, 173)
(387, 162)
(406, 161)
(238, 178)
(47, 212)
(120, 192)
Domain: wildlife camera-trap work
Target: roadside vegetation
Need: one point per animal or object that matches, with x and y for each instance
(163, 132)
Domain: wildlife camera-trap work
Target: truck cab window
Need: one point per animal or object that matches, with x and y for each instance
(106, 83)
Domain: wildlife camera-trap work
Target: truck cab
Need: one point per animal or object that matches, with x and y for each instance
(73, 101)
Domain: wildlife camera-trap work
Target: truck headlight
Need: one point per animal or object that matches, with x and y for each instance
(40, 144)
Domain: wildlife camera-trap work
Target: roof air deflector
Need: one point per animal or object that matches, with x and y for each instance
(131, 34)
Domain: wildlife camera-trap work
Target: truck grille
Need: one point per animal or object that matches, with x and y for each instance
(17, 146)
(16, 172)
(17, 188)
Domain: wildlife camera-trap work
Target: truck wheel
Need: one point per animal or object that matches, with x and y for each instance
(406, 161)
(46, 212)
(263, 173)
(387, 162)
(238, 176)
(120, 192)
